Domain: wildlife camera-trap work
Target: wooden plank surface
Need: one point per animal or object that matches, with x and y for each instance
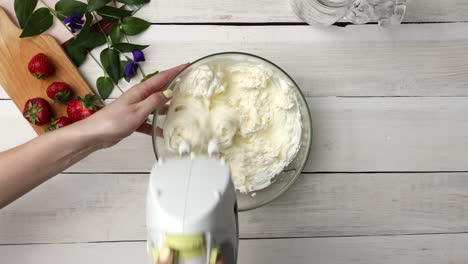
(57, 30)
(275, 11)
(351, 134)
(426, 249)
(413, 60)
(15, 55)
(267, 11)
(111, 207)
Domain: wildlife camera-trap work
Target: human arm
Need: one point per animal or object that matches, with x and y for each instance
(28, 165)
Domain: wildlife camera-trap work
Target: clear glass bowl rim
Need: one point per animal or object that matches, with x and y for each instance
(301, 167)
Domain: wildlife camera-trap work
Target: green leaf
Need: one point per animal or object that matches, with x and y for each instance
(112, 12)
(128, 47)
(91, 101)
(105, 86)
(133, 8)
(123, 64)
(110, 59)
(115, 34)
(94, 5)
(146, 77)
(77, 54)
(39, 22)
(86, 39)
(133, 25)
(133, 2)
(88, 20)
(23, 10)
(64, 8)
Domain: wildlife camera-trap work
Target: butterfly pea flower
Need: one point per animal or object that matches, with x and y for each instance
(132, 66)
(74, 21)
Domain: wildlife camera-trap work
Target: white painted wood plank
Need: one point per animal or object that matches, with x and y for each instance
(274, 11)
(57, 29)
(111, 207)
(349, 134)
(411, 60)
(423, 249)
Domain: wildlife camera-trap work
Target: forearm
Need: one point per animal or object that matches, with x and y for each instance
(36, 161)
(27, 166)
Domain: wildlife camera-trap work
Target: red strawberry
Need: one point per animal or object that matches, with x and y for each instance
(59, 123)
(79, 109)
(60, 92)
(37, 111)
(40, 66)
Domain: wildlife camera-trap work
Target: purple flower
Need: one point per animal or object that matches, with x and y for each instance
(132, 66)
(138, 55)
(74, 21)
(130, 69)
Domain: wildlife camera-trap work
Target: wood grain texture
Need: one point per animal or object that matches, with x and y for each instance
(349, 134)
(426, 249)
(411, 60)
(111, 207)
(274, 11)
(21, 86)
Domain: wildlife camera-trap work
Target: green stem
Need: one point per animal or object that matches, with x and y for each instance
(108, 45)
(120, 89)
(97, 62)
(74, 36)
(104, 70)
(108, 41)
(50, 8)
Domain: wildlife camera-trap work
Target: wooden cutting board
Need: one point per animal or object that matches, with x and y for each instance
(15, 78)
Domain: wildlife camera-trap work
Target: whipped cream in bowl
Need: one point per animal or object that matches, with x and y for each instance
(255, 113)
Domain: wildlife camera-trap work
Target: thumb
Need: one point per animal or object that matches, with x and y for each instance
(166, 256)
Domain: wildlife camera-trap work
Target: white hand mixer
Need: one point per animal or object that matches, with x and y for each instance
(192, 209)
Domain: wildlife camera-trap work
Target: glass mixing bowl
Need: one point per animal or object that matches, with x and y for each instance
(282, 181)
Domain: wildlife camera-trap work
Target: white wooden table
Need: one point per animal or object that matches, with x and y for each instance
(387, 181)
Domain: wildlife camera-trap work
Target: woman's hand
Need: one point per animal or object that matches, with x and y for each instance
(167, 257)
(129, 112)
(28, 165)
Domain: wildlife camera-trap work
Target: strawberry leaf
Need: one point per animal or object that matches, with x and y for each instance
(62, 97)
(53, 125)
(91, 102)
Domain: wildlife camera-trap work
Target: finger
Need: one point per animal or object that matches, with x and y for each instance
(166, 256)
(154, 84)
(147, 129)
(221, 260)
(163, 110)
(151, 103)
